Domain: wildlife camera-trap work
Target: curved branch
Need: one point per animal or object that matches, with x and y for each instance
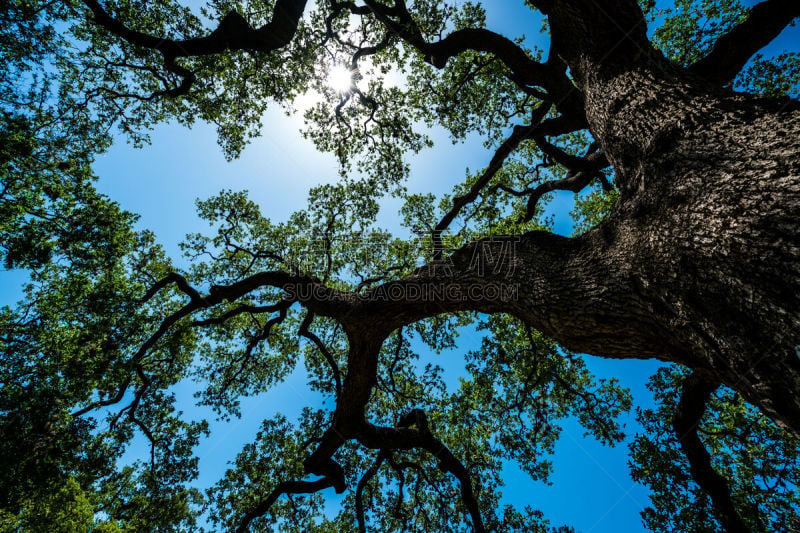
(732, 51)
(691, 407)
(573, 182)
(250, 309)
(519, 134)
(582, 171)
(315, 296)
(536, 130)
(307, 333)
(403, 437)
(177, 279)
(592, 161)
(286, 487)
(362, 483)
(252, 343)
(524, 71)
(232, 33)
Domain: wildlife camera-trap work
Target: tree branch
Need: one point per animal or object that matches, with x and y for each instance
(572, 182)
(524, 71)
(536, 130)
(519, 134)
(307, 333)
(177, 279)
(732, 51)
(317, 297)
(250, 309)
(232, 33)
(592, 161)
(403, 437)
(691, 407)
(362, 483)
(286, 487)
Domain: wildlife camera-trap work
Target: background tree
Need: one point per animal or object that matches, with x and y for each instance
(688, 252)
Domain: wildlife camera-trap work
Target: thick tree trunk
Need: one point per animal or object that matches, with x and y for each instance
(708, 232)
(706, 237)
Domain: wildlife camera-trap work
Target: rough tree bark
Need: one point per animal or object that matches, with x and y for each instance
(703, 250)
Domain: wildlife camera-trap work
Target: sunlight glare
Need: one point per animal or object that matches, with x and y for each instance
(340, 78)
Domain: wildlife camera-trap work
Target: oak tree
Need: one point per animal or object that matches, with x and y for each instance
(681, 137)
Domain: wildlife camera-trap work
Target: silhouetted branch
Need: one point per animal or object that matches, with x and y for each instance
(734, 49)
(523, 70)
(520, 134)
(307, 333)
(362, 483)
(582, 171)
(691, 407)
(286, 487)
(404, 437)
(232, 33)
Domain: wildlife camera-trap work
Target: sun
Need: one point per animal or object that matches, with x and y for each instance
(340, 78)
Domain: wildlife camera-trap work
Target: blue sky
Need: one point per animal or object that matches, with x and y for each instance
(591, 489)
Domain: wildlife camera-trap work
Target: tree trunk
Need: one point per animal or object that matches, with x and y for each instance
(705, 239)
